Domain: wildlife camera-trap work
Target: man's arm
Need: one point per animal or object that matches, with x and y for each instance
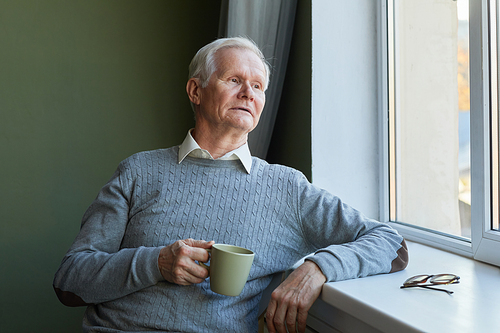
(291, 301)
(349, 245)
(96, 268)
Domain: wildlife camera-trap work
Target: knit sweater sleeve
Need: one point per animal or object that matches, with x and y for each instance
(96, 269)
(349, 245)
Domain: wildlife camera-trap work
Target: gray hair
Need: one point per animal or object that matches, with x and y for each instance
(203, 64)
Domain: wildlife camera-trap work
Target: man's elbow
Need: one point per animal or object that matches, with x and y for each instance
(401, 261)
(69, 299)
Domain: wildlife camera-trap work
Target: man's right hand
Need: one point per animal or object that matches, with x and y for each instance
(177, 261)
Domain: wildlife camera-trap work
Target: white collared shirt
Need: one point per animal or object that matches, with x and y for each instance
(190, 147)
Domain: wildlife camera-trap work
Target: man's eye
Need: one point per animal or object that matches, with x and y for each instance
(234, 80)
(256, 86)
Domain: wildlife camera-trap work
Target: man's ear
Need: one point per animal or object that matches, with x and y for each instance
(193, 90)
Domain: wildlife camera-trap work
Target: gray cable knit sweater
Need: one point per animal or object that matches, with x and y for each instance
(152, 201)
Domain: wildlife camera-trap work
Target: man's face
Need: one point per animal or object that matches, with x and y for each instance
(234, 97)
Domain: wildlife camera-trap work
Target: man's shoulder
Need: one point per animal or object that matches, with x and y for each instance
(150, 157)
(263, 166)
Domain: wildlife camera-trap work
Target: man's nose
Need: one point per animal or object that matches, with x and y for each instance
(246, 91)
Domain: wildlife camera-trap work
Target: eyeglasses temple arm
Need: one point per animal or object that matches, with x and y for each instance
(449, 292)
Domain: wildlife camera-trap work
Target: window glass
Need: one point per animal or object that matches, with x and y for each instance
(430, 163)
(495, 113)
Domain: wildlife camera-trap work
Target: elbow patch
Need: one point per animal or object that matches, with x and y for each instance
(401, 261)
(69, 299)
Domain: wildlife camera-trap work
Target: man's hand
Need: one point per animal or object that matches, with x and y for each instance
(291, 301)
(177, 261)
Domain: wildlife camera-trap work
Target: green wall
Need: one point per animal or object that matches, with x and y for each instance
(83, 85)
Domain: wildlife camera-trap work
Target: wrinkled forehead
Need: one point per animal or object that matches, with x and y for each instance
(240, 59)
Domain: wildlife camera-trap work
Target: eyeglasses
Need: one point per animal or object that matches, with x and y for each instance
(426, 281)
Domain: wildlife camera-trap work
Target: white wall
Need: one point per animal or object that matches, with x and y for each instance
(345, 138)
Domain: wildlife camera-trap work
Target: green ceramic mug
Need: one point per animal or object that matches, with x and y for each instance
(229, 268)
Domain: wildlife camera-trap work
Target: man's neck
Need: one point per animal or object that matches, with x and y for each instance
(218, 144)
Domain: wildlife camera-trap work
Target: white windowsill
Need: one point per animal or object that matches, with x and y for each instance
(380, 305)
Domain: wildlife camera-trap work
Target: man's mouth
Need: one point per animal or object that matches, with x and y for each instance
(242, 109)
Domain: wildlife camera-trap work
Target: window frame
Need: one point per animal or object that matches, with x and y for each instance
(484, 242)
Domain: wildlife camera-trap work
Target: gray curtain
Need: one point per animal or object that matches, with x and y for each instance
(269, 23)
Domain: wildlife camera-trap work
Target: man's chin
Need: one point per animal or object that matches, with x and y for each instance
(245, 124)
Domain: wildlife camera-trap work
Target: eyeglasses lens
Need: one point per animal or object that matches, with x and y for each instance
(417, 279)
(444, 278)
(434, 279)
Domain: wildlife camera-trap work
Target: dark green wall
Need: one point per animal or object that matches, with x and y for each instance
(83, 84)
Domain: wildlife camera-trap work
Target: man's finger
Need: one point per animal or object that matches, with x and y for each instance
(199, 254)
(280, 316)
(291, 317)
(199, 243)
(271, 310)
(302, 320)
(198, 249)
(197, 270)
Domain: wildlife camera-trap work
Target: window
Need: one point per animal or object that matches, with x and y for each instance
(494, 15)
(443, 144)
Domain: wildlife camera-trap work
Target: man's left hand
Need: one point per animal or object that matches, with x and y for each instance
(291, 301)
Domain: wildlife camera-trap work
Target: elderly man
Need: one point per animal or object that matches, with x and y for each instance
(134, 261)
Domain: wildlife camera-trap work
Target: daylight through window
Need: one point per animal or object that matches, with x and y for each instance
(430, 156)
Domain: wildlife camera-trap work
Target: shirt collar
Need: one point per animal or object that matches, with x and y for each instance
(190, 147)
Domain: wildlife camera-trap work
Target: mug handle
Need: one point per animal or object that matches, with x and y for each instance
(203, 264)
